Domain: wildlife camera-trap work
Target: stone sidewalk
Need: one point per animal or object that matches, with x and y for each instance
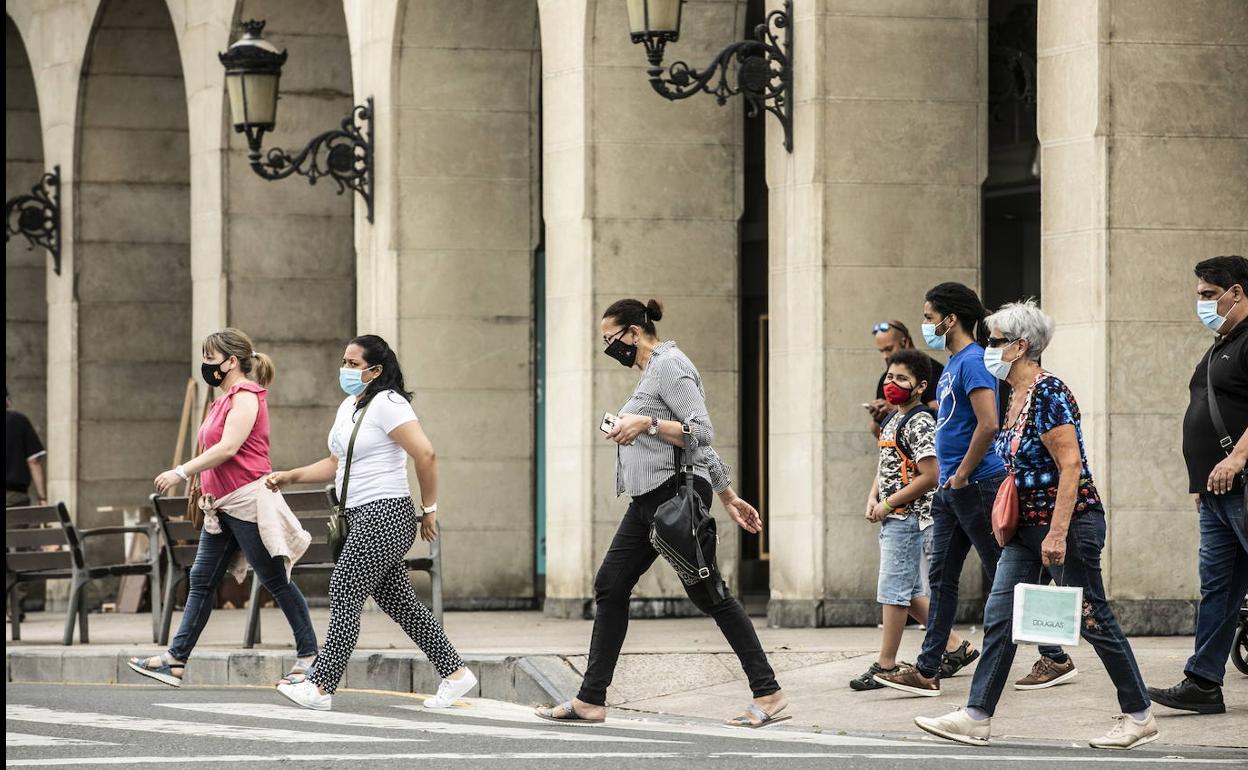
(678, 667)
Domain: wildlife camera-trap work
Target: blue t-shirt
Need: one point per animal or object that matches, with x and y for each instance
(955, 421)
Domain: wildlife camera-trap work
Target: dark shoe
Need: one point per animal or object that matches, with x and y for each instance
(909, 680)
(1189, 696)
(953, 662)
(865, 681)
(1047, 673)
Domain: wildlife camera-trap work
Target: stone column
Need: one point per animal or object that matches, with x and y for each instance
(878, 202)
(1143, 119)
(641, 199)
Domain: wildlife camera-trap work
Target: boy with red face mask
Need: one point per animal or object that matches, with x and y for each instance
(901, 502)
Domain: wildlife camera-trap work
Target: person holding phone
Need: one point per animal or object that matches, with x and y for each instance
(667, 405)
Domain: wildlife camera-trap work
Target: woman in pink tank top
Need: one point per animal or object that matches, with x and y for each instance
(232, 466)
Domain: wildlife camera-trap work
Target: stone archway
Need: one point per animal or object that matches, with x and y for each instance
(469, 222)
(25, 269)
(131, 254)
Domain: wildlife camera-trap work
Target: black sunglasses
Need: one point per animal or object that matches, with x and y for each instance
(997, 342)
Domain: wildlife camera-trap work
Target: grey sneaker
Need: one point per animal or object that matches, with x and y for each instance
(1127, 733)
(866, 682)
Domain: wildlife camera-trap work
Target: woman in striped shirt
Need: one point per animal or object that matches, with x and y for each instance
(649, 428)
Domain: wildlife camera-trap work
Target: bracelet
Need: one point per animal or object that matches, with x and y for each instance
(887, 505)
(181, 473)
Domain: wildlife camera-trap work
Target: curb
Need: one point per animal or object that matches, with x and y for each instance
(528, 680)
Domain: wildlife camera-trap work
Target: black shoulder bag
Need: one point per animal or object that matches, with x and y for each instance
(339, 525)
(681, 523)
(1224, 436)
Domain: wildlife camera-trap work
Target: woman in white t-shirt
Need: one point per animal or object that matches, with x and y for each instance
(383, 523)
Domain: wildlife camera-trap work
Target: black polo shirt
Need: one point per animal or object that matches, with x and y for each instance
(21, 445)
(1229, 375)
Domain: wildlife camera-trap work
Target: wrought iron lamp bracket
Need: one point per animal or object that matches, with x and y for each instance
(37, 216)
(764, 71)
(344, 154)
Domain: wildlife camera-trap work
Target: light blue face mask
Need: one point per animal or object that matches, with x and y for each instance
(1207, 312)
(351, 381)
(996, 365)
(934, 341)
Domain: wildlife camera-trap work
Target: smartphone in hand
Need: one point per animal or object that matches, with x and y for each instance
(608, 422)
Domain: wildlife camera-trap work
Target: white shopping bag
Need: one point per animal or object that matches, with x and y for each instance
(1047, 614)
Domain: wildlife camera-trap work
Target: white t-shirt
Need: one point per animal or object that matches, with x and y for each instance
(378, 463)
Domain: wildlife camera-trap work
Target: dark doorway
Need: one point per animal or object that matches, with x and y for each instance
(1011, 193)
(752, 470)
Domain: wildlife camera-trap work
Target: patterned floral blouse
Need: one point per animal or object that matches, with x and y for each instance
(1036, 473)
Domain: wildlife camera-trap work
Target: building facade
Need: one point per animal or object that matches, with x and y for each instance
(526, 175)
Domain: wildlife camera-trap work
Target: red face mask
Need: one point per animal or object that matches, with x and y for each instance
(897, 395)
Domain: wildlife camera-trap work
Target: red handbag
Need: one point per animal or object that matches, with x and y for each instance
(1005, 506)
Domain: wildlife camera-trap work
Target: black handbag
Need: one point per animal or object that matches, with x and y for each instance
(682, 524)
(1224, 436)
(339, 526)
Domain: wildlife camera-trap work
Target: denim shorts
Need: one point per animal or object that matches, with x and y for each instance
(902, 563)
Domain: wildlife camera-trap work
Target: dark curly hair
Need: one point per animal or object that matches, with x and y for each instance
(378, 352)
(631, 312)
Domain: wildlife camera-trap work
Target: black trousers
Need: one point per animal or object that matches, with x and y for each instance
(628, 558)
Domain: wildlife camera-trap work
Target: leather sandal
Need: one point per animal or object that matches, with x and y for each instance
(764, 719)
(569, 715)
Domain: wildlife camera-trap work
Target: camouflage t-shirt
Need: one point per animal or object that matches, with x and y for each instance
(919, 443)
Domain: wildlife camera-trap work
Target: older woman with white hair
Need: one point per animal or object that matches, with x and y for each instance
(1061, 528)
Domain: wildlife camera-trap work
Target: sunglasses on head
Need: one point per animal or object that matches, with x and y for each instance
(882, 326)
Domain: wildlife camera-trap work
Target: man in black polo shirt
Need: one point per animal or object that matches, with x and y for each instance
(1216, 460)
(23, 458)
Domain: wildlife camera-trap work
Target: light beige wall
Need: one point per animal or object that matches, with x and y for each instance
(642, 197)
(1144, 124)
(467, 184)
(132, 255)
(878, 202)
(289, 251)
(25, 267)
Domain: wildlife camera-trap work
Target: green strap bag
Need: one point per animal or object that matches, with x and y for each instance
(339, 525)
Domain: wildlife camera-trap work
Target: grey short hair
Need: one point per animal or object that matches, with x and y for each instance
(1024, 320)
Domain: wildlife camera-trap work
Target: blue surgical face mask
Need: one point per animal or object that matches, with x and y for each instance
(351, 381)
(1207, 312)
(934, 341)
(995, 363)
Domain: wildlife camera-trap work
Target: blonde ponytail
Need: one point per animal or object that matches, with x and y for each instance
(234, 342)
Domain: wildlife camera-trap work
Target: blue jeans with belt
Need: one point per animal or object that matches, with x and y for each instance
(1020, 563)
(961, 518)
(215, 555)
(1223, 582)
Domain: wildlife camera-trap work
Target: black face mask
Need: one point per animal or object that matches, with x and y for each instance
(212, 374)
(621, 351)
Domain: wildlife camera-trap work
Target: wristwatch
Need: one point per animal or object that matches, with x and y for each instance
(653, 430)
(431, 509)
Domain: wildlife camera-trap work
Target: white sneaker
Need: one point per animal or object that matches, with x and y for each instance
(451, 690)
(306, 694)
(957, 726)
(1127, 733)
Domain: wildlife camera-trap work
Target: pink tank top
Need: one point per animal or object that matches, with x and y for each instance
(252, 459)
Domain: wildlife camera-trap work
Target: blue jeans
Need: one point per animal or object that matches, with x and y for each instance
(961, 518)
(1020, 563)
(215, 554)
(1223, 582)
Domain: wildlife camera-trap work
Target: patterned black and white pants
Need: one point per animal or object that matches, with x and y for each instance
(372, 564)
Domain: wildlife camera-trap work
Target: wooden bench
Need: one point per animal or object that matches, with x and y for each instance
(26, 561)
(314, 510)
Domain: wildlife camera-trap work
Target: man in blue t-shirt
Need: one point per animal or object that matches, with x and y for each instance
(970, 474)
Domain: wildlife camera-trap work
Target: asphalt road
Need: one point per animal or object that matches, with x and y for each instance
(234, 728)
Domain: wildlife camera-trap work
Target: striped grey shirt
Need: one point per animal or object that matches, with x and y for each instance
(670, 389)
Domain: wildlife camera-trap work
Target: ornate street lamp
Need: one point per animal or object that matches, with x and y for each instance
(37, 216)
(253, 68)
(764, 65)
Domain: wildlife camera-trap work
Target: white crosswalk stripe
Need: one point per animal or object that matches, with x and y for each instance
(345, 719)
(23, 740)
(358, 759)
(173, 727)
(510, 712)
